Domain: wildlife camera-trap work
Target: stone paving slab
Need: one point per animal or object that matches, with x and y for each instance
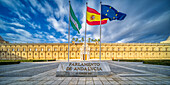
(49, 78)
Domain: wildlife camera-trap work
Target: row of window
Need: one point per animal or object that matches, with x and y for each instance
(130, 53)
(130, 49)
(36, 54)
(141, 49)
(41, 49)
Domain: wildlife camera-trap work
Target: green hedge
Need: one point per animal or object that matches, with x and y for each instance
(26, 60)
(7, 63)
(155, 62)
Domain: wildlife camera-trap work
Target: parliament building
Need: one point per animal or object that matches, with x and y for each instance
(109, 51)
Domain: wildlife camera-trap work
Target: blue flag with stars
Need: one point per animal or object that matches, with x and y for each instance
(111, 13)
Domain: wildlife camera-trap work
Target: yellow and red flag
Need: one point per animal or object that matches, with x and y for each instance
(93, 17)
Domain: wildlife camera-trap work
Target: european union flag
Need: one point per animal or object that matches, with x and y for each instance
(111, 13)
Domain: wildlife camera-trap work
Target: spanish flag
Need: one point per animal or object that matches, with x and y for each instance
(93, 17)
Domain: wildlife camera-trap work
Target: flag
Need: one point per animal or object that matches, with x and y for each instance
(93, 17)
(74, 21)
(111, 13)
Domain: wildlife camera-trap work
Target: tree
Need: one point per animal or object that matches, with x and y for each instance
(73, 39)
(95, 40)
(79, 40)
(92, 40)
(98, 39)
(76, 39)
(82, 39)
(89, 39)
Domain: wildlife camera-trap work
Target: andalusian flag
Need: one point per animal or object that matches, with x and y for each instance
(74, 21)
(93, 17)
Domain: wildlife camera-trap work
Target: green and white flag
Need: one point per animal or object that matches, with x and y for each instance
(74, 21)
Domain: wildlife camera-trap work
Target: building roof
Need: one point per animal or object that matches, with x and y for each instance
(1, 38)
(166, 41)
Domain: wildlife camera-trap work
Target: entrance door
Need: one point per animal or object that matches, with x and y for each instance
(85, 56)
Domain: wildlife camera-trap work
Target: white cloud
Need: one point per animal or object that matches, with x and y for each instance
(44, 8)
(17, 24)
(59, 26)
(125, 40)
(22, 32)
(17, 38)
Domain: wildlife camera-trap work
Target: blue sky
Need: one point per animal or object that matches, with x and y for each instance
(46, 21)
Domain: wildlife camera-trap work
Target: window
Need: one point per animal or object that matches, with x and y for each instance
(146, 53)
(118, 53)
(54, 53)
(141, 53)
(12, 49)
(78, 53)
(124, 49)
(152, 49)
(2, 53)
(96, 53)
(166, 53)
(18, 53)
(41, 53)
(141, 49)
(23, 49)
(91, 53)
(29, 53)
(48, 53)
(107, 53)
(166, 49)
(159, 49)
(55, 49)
(135, 53)
(96, 49)
(118, 49)
(130, 49)
(112, 49)
(8, 53)
(72, 53)
(107, 49)
(8, 49)
(77, 49)
(102, 53)
(124, 53)
(61, 54)
(2, 49)
(135, 49)
(112, 53)
(30, 49)
(60, 49)
(159, 53)
(35, 49)
(12, 53)
(72, 49)
(17, 49)
(23, 53)
(152, 53)
(48, 49)
(146, 49)
(66, 53)
(130, 53)
(35, 53)
(41, 49)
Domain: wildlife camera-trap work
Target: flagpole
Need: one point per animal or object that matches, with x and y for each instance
(69, 32)
(85, 33)
(100, 30)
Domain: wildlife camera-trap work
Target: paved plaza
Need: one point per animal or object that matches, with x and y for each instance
(38, 73)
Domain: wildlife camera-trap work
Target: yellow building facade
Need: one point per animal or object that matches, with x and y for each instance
(109, 51)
